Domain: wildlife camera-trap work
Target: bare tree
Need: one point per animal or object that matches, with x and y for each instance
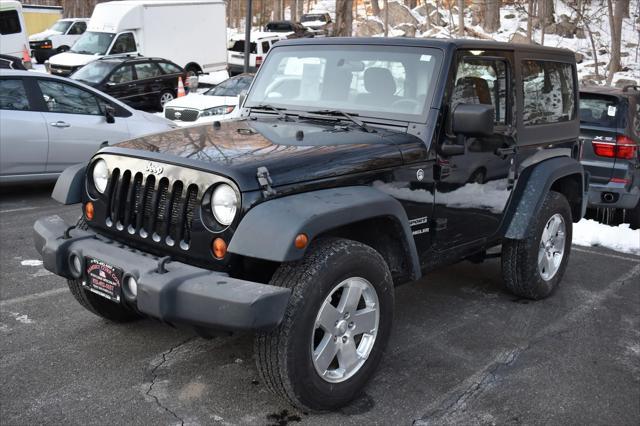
(487, 14)
(344, 18)
(375, 7)
(300, 8)
(616, 13)
(460, 18)
(530, 20)
(580, 7)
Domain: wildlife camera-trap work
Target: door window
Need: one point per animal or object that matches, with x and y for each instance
(77, 28)
(170, 68)
(265, 47)
(9, 22)
(125, 43)
(482, 81)
(124, 74)
(13, 95)
(548, 92)
(147, 70)
(65, 98)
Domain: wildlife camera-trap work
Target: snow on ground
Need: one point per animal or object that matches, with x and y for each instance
(621, 238)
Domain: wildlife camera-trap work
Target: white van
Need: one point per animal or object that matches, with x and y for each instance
(57, 39)
(261, 42)
(190, 33)
(13, 33)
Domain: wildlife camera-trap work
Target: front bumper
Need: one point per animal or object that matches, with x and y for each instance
(183, 294)
(42, 53)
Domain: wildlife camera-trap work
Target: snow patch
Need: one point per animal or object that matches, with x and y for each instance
(620, 238)
(23, 318)
(31, 262)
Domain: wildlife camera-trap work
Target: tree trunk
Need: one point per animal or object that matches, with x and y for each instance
(375, 7)
(292, 10)
(300, 11)
(546, 12)
(277, 10)
(542, 13)
(344, 18)
(492, 16)
(461, 18)
(615, 22)
(529, 20)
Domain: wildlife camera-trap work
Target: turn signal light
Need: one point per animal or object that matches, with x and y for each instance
(301, 241)
(88, 210)
(219, 247)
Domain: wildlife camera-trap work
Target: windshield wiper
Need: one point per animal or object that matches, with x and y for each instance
(278, 111)
(350, 117)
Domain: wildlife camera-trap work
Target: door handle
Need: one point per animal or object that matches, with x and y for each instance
(60, 124)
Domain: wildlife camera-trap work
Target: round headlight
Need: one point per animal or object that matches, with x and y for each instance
(224, 204)
(100, 175)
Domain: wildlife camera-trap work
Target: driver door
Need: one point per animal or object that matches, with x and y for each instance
(76, 121)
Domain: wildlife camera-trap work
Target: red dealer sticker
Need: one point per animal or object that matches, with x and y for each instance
(103, 279)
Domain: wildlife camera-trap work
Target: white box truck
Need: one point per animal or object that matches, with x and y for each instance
(13, 32)
(193, 34)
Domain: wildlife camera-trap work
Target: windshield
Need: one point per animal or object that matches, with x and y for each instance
(599, 111)
(94, 72)
(376, 81)
(93, 43)
(231, 87)
(61, 26)
(311, 18)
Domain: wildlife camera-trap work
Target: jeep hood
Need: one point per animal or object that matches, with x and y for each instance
(291, 151)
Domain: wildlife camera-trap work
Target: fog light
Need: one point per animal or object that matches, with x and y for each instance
(75, 264)
(131, 287)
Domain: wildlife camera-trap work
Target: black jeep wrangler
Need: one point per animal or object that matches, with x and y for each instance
(358, 165)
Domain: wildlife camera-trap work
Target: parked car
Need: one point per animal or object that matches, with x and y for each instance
(298, 221)
(138, 81)
(261, 42)
(610, 135)
(13, 32)
(289, 28)
(319, 22)
(216, 104)
(152, 28)
(11, 63)
(48, 123)
(57, 39)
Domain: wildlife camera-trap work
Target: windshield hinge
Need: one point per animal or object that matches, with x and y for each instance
(264, 180)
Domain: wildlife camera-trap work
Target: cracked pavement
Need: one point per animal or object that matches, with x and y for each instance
(463, 351)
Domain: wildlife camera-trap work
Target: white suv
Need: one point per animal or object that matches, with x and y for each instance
(261, 42)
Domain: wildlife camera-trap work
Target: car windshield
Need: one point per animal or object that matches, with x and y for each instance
(93, 43)
(94, 72)
(374, 81)
(230, 87)
(311, 18)
(599, 111)
(61, 26)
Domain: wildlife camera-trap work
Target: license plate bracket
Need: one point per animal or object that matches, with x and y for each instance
(103, 279)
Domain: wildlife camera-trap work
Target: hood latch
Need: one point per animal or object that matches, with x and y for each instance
(264, 180)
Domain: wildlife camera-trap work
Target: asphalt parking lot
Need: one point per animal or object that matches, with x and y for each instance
(463, 351)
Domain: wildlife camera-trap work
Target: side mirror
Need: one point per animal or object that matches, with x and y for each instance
(110, 114)
(473, 120)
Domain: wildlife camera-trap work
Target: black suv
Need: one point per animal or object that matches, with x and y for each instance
(138, 81)
(354, 169)
(296, 29)
(610, 135)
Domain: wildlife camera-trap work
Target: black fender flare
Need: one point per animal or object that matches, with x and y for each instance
(70, 185)
(268, 230)
(531, 189)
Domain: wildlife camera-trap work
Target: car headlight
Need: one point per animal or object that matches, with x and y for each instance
(224, 204)
(100, 175)
(220, 110)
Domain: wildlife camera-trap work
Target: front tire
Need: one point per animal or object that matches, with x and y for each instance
(335, 328)
(165, 96)
(533, 267)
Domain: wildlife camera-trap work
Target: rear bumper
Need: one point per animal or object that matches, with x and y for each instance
(622, 197)
(183, 294)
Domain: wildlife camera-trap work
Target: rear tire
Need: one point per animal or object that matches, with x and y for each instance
(633, 216)
(323, 319)
(98, 305)
(533, 267)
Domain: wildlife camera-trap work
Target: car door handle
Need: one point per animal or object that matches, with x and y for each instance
(60, 124)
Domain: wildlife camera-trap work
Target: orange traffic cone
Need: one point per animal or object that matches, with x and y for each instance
(181, 92)
(26, 59)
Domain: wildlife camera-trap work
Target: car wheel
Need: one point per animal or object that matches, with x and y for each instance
(96, 304)
(533, 267)
(39, 58)
(166, 96)
(335, 328)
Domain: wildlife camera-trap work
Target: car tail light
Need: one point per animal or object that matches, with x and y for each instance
(258, 61)
(623, 148)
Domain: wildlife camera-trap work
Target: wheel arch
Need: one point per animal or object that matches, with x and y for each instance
(193, 66)
(561, 174)
(347, 212)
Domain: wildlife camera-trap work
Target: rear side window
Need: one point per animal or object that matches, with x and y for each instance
(69, 99)
(124, 74)
(238, 46)
(170, 68)
(548, 92)
(265, 47)
(9, 22)
(13, 95)
(600, 111)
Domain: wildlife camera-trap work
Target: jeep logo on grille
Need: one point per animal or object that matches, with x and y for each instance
(153, 168)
